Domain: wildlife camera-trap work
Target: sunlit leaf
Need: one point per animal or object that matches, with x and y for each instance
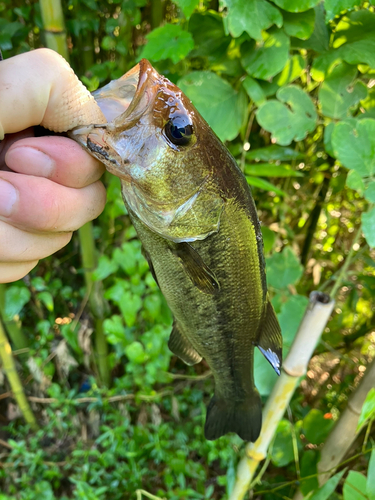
(269, 58)
(15, 298)
(254, 90)
(168, 42)
(355, 181)
(289, 121)
(271, 170)
(220, 105)
(370, 486)
(296, 5)
(292, 70)
(325, 491)
(262, 184)
(315, 427)
(354, 486)
(252, 16)
(105, 267)
(335, 7)
(282, 451)
(370, 192)
(300, 25)
(47, 299)
(368, 408)
(187, 6)
(274, 152)
(269, 238)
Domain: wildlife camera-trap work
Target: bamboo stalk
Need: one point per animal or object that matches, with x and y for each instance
(53, 20)
(9, 367)
(294, 367)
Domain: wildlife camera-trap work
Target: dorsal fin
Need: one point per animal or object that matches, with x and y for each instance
(270, 341)
(181, 347)
(199, 273)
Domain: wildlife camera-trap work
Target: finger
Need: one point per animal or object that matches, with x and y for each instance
(40, 88)
(15, 271)
(57, 158)
(21, 246)
(38, 204)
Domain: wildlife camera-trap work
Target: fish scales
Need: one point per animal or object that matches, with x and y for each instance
(193, 211)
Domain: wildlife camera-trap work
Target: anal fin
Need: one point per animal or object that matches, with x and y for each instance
(270, 341)
(199, 273)
(181, 347)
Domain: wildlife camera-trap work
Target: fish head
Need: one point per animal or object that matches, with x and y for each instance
(156, 142)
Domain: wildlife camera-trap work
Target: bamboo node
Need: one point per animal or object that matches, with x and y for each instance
(255, 455)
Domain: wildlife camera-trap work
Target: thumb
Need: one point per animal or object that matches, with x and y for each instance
(40, 88)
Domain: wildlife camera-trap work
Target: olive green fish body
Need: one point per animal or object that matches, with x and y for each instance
(193, 211)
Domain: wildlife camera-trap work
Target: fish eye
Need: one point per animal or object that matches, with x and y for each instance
(179, 131)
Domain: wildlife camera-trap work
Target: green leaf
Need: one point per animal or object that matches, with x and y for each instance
(368, 408)
(282, 451)
(370, 486)
(283, 269)
(327, 138)
(262, 184)
(292, 70)
(335, 7)
(269, 58)
(355, 181)
(252, 16)
(320, 39)
(354, 486)
(290, 317)
(315, 427)
(370, 192)
(130, 305)
(106, 266)
(361, 51)
(368, 227)
(296, 5)
(274, 152)
(136, 353)
(354, 145)
(15, 298)
(290, 121)
(47, 299)
(219, 104)
(209, 37)
(168, 42)
(308, 468)
(355, 26)
(269, 238)
(271, 170)
(300, 25)
(340, 92)
(325, 491)
(254, 90)
(187, 6)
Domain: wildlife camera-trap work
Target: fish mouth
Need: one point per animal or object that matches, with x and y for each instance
(122, 102)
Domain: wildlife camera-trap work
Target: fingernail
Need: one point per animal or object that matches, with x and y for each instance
(37, 162)
(8, 197)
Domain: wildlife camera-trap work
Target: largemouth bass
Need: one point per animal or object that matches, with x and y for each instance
(193, 211)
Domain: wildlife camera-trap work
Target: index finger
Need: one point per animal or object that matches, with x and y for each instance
(40, 88)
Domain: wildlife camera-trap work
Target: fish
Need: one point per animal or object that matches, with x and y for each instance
(195, 216)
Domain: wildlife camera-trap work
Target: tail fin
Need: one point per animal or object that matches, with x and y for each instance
(242, 417)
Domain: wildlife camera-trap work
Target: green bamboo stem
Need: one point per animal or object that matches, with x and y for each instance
(294, 367)
(9, 368)
(54, 26)
(53, 20)
(12, 327)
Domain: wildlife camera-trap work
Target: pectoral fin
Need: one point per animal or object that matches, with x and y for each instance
(181, 347)
(270, 341)
(199, 273)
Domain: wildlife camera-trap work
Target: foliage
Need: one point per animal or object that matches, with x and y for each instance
(290, 84)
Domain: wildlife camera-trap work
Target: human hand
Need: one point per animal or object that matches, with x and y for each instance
(49, 186)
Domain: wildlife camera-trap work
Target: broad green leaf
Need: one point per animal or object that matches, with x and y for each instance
(355, 26)
(220, 105)
(340, 92)
(355, 181)
(269, 238)
(136, 353)
(320, 39)
(130, 305)
(335, 7)
(15, 298)
(209, 36)
(262, 184)
(264, 375)
(251, 16)
(114, 329)
(315, 427)
(187, 6)
(290, 121)
(168, 42)
(283, 269)
(290, 317)
(254, 90)
(368, 408)
(106, 266)
(296, 5)
(325, 491)
(370, 192)
(370, 486)
(269, 58)
(308, 468)
(324, 63)
(354, 486)
(327, 138)
(274, 152)
(300, 25)
(282, 451)
(46, 299)
(361, 51)
(354, 145)
(271, 170)
(292, 70)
